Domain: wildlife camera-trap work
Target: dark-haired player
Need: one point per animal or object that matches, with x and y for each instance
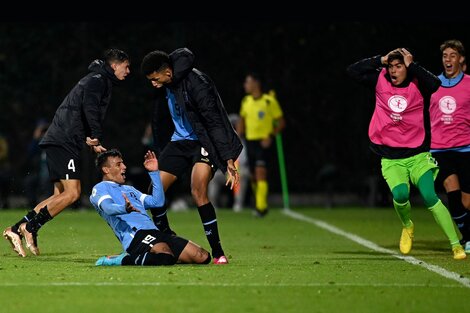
(78, 120)
(399, 133)
(124, 209)
(191, 131)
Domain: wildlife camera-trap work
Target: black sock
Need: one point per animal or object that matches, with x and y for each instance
(160, 219)
(39, 220)
(459, 214)
(149, 258)
(209, 221)
(29, 216)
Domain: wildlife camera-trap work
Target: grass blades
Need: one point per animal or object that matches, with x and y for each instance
(277, 264)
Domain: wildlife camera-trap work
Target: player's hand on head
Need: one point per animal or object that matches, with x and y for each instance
(129, 207)
(150, 161)
(407, 56)
(384, 59)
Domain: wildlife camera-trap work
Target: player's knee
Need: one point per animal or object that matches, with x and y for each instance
(72, 195)
(206, 257)
(199, 195)
(161, 247)
(401, 193)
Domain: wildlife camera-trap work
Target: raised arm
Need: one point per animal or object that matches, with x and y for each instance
(366, 71)
(157, 199)
(428, 83)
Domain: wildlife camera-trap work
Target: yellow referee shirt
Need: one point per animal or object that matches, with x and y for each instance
(259, 115)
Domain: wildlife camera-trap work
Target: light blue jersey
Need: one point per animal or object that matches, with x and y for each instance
(183, 129)
(107, 198)
(450, 82)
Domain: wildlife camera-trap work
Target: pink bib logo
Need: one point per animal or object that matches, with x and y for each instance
(447, 105)
(398, 104)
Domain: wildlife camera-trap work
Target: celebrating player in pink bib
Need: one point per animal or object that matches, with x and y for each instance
(399, 132)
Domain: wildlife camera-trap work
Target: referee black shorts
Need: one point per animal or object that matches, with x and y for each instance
(62, 164)
(145, 239)
(257, 155)
(179, 156)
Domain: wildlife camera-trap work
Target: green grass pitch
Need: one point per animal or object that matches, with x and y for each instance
(277, 264)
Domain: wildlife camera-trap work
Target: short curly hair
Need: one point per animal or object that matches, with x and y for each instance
(155, 61)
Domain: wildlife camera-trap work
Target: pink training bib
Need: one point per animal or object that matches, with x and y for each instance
(449, 112)
(398, 116)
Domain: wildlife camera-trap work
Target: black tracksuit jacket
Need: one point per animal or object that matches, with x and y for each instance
(82, 112)
(197, 95)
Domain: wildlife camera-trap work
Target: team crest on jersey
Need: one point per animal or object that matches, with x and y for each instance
(447, 105)
(397, 103)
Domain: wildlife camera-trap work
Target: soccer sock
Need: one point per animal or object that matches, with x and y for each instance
(262, 195)
(404, 212)
(209, 221)
(459, 214)
(149, 258)
(160, 219)
(29, 216)
(38, 220)
(444, 220)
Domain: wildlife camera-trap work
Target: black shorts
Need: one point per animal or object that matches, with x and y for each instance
(257, 155)
(62, 164)
(145, 239)
(179, 156)
(453, 162)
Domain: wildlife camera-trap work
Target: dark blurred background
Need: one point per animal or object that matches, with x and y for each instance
(327, 114)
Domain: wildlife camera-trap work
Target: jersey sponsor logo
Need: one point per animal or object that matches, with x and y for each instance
(204, 152)
(447, 104)
(397, 103)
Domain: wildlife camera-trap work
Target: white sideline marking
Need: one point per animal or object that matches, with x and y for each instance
(202, 284)
(373, 246)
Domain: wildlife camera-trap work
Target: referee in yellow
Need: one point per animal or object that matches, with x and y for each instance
(261, 119)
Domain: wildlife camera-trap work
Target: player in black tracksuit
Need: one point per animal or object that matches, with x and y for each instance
(191, 132)
(78, 120)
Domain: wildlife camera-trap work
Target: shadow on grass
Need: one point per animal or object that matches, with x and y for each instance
(423, 245)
